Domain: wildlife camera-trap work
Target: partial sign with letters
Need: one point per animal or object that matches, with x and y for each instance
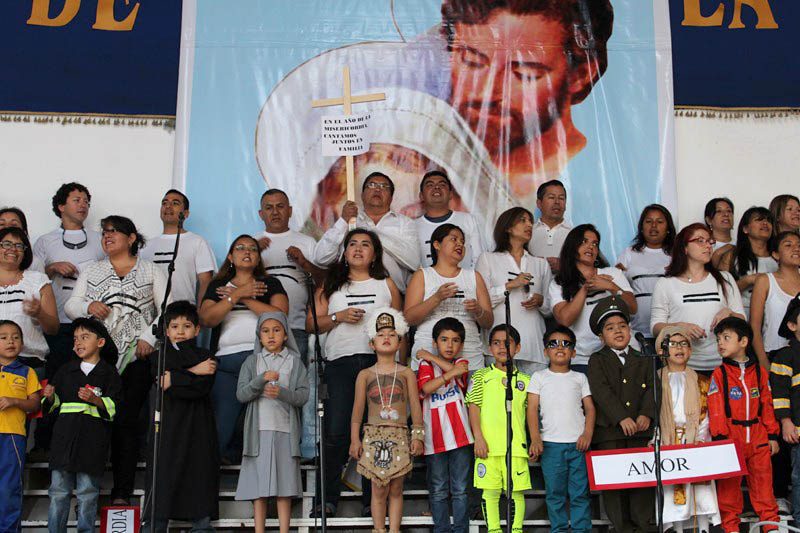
(119, 519)
(635, 467)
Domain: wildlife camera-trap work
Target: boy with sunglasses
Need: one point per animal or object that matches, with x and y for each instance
(563, 399)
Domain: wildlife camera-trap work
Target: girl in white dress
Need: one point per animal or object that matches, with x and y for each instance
(684, 420)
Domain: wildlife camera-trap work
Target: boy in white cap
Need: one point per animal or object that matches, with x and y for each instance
(384, 455)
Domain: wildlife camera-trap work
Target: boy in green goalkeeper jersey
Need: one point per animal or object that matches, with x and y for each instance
(486, 398)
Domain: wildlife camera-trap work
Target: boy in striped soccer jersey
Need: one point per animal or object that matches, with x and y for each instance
(486, 399)
(442, 381)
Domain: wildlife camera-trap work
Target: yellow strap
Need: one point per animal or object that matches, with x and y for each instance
(781, 370)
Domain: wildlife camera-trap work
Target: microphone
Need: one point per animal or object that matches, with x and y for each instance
(181, 216)
(665, 345)
(647, 349)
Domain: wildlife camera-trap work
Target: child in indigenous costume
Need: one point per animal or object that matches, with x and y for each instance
(684, 420)
(386, 390)
(273, 382)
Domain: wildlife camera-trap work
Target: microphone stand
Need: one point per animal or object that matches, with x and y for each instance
(159, 331)
(509, 404)
(320, 395)
(648, 351)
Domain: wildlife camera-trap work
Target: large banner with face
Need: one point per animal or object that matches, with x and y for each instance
(501, 94)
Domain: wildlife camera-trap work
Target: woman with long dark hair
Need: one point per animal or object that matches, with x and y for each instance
(356, 284)
(695, 295)
(234, 299)
(511, 267)
(585, 278)
(772, 293)
(646, 260)
(785, 209)
(750, 255)
(447, 290)
(124, 292)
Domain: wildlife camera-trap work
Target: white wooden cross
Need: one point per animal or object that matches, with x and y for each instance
(347, 100)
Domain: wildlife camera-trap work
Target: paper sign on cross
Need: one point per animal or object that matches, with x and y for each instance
(347, 100)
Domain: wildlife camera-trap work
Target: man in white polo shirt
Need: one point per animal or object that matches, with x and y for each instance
(550, 230)
(285, 253)
(63, 252)
(195, 263)
(435, 193)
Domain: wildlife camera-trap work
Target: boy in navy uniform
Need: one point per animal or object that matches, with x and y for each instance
(621, 381)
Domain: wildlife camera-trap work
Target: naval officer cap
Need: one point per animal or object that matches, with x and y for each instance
(606, 308)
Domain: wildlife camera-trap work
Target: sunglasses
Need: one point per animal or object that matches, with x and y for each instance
(559, 343)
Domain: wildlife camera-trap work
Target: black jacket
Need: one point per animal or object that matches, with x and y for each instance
(784, 378)
(82, 432)
(620, 391)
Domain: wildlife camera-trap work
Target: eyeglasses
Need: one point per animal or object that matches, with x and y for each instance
(702, 241)
(676, 344)
(593, 244)
(8, 245)
(378, 185)
(245, 248)
(109, 231)
(556, 343)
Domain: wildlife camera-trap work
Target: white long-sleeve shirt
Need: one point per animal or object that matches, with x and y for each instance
(675, 300)
(135, 299)
(497, 269)
(398, 235)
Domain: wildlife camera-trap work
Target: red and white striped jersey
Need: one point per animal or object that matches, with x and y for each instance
(444, 411)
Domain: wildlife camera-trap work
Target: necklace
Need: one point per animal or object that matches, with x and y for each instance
(74, 245)
(387, 412)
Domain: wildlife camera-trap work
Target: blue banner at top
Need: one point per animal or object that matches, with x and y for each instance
(98, 57)
(736, 53)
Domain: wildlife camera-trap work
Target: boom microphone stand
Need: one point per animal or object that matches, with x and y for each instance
(159, 331)
(648, 351)
(509, 404)
(320, 395)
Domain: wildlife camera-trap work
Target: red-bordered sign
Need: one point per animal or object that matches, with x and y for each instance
(630, 468)
(119, 519)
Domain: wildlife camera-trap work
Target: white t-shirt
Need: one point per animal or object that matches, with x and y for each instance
(546, 241)
(675, 300)
(86, 368)
(291, 276)
(764, 265)
(349, 339)
(453, 307)
(49, 248)
(475, 245)
(11, 300)
(194, 257)
(643, 270)
(588, 342)
(561, 397)
(774, 310)
(497, 269)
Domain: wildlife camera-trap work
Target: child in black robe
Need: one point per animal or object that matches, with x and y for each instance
(188, 459)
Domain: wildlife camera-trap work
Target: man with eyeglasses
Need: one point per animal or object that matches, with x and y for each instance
(195, 263)
(397, 232)
(435, 194)
(63, 252)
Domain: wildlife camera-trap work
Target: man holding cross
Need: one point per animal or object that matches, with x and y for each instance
(397, 232)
